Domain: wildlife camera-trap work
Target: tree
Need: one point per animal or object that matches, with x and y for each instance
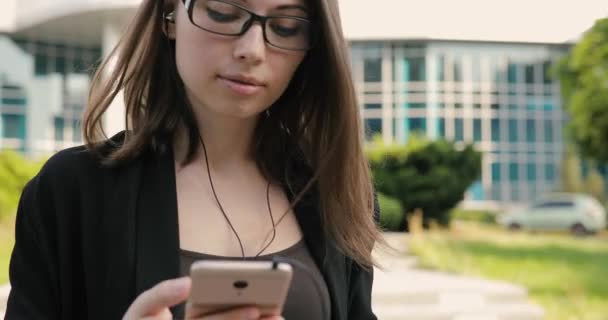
(594, 184)
(583, 74)
(571, 175)
(432, 176)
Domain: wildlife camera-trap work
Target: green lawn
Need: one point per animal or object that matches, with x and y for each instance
(7, 241)
(567, 276)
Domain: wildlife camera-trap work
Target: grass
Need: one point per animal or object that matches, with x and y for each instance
(7, 240)
(567, 276)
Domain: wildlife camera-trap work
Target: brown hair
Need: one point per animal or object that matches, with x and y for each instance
(317, 114)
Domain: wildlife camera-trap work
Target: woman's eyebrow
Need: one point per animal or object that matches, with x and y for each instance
(291, 7)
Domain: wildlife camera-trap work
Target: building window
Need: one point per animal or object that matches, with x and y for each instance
(373, 106)
(441, 127)
(416, 105)
(415, 69)
(458, 130)
(41, 64)
(512, 73)
(496, 174)
(477, 191)
(513, 172)
(548, 130)
(59, 124)
(417, 125)
(477, 130)
(495, 128)
(457, 68)
(513, 130)
(529, 72)
(547, 70)
(76, 131)
(550, 172)
(530, 130)
(372, 70)
(531, 171)
(440, 68)
(373, 127)
(13, 126)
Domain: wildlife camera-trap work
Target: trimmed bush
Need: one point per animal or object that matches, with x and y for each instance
(391, 213)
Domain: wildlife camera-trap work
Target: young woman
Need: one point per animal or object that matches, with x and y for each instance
(243, 141)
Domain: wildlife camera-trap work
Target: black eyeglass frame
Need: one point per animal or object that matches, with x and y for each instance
(253, 17)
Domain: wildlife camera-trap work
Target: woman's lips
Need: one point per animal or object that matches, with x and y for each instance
(239, 87)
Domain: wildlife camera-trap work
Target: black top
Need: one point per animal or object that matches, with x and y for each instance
(304, 301)
(89, 239)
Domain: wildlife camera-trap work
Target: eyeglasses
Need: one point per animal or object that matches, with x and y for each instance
(229, 19)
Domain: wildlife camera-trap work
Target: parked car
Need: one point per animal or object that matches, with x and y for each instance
(581, 214)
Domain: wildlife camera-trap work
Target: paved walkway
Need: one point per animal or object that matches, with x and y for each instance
(403, 292)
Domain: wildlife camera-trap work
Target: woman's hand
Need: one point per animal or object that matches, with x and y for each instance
(154, 304)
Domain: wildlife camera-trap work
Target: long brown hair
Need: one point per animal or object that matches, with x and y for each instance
(317, 114)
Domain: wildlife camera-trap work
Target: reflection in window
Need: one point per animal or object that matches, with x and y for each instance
(531, 170)
(59, 124)
(548, 130)
(513, 172)
(495, 128)
(477, 130)
(373, 127)
(512, 73)
(76, 131)
(417, 125)
(415, 69)
(550, 172)
(372, 70)
(529, 72)
(440, 68)
(496, 174)
(530, 130)
(513, 130)
(441, 127)
(13, 126)
(458, 130)
(547, 79)
(457, 69)
(416, 105)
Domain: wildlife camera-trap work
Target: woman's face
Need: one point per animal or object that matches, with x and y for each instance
(234, 76)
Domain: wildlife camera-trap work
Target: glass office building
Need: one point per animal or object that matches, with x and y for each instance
(499, 96)
(43, 94)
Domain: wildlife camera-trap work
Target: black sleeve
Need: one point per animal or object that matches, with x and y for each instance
(360, 296)
(361, 280)
(33, 293)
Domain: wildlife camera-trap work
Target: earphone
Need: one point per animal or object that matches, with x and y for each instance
(169, 17)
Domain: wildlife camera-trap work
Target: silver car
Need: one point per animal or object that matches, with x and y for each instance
(581, 214)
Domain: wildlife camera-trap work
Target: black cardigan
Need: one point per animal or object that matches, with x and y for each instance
(90, 238)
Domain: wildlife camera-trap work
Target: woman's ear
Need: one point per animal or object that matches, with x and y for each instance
(169, 24)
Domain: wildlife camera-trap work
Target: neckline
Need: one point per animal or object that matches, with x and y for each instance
(196, 254)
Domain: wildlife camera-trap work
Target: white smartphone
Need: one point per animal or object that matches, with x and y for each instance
(221, 285)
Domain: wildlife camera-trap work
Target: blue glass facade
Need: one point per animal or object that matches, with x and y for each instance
(498, 96)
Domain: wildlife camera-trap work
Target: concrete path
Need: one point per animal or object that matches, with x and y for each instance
(4, 290)
(403, 292)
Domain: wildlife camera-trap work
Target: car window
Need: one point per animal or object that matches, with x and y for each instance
(554, 205)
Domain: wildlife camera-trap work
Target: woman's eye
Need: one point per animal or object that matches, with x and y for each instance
(285, 31)
(222, 17)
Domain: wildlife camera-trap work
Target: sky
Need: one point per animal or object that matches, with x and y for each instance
(550, 21)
